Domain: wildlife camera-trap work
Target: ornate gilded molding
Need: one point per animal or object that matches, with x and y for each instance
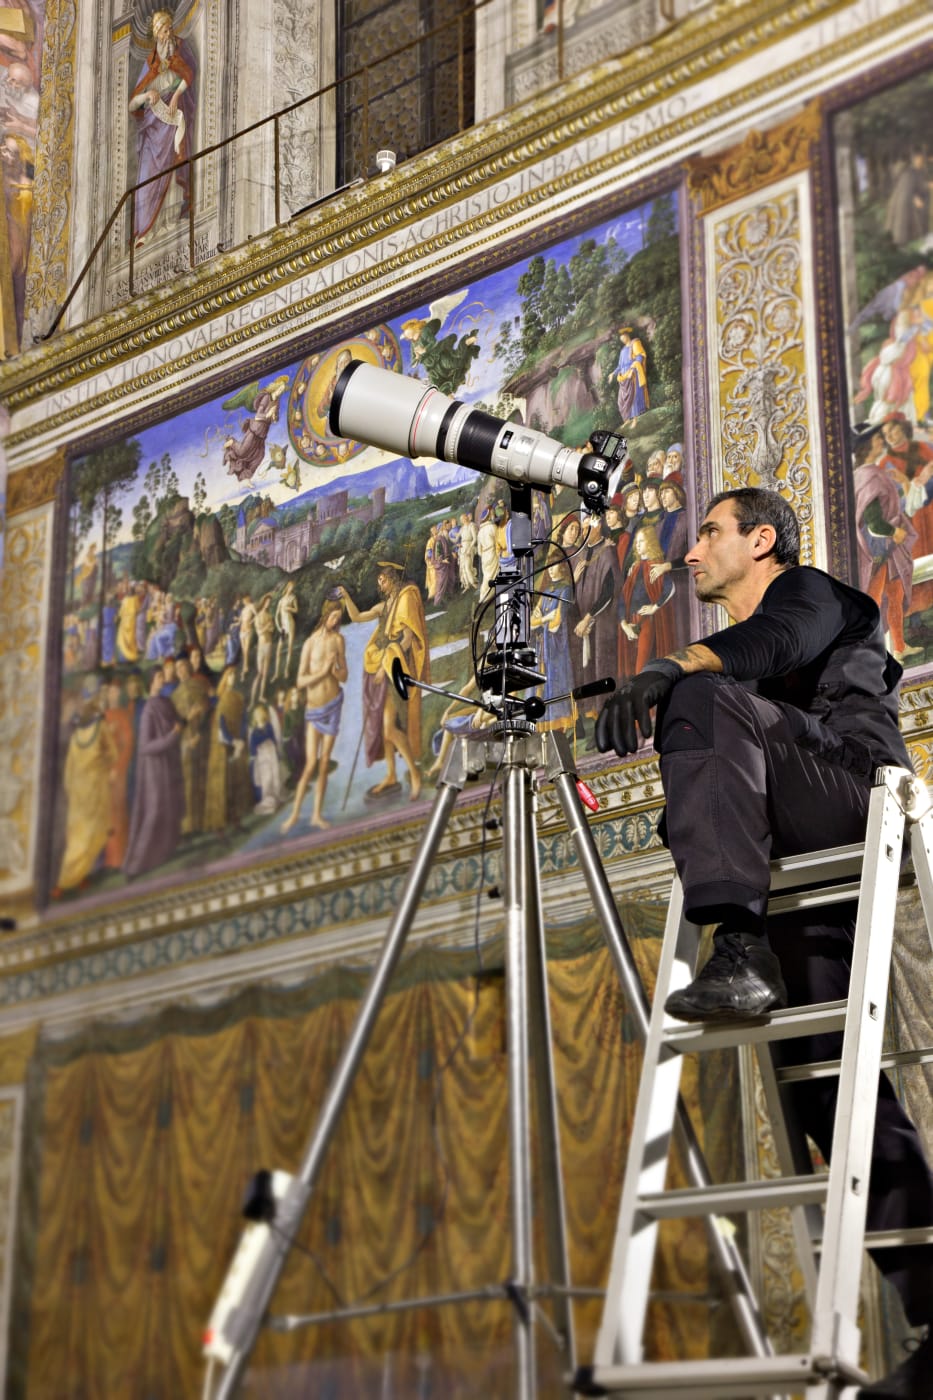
(613, 98)
(47, 275)
(35, 485)
(759, 160)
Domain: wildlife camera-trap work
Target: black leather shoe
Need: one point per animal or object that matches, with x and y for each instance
(737, 982)
(913, 1379)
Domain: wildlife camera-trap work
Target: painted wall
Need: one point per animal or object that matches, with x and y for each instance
(752, 179)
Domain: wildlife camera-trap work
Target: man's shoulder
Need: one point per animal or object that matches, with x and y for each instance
(806, 582)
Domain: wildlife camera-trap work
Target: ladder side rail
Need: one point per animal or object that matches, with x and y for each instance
(620, 1333)
(835, 1333)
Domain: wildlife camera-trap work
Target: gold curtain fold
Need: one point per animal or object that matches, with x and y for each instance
(146, 1136)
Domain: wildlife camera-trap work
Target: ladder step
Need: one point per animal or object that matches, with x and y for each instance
(718, 1379)
(823, 1069)
(815, 867)
(722, 1197)
(817, 1019)
(892, 1239)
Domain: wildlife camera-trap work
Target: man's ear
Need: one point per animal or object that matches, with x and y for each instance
(764, 538)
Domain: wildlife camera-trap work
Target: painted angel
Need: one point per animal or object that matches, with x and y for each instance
(446, 362)
(243, 459)
(290, 471)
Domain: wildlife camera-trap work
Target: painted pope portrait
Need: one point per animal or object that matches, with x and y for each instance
(162, 110)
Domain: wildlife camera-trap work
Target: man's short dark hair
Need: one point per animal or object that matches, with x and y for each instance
(753, 506)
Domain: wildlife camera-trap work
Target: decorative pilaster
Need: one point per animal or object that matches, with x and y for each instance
(23, 608)
(762, 350)
(47, 281)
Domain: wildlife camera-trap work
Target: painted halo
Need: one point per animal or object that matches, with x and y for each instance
(313, 388)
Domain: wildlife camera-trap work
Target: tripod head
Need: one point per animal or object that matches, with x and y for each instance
(509, 664)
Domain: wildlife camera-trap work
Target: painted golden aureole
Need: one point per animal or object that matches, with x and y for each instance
(239, 579)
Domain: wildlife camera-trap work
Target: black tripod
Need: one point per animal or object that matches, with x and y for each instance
(518, 753)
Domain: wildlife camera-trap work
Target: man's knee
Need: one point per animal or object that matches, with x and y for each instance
(686, 718)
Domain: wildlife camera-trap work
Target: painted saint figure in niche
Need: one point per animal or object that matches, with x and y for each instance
(18, 180)
(22, 26)
(163, 107)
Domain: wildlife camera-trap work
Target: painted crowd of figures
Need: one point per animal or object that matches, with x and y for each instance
(196, 720)
(617, 590)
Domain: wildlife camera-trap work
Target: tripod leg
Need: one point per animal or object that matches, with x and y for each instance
(245, 1322)
(724, 1252)
(516, 816)
(554, 1213)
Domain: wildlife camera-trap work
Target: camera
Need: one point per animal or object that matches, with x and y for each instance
(401, 415)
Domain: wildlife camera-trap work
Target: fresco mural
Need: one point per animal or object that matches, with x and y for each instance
(889, 243)
(238, 580)
(22, 26)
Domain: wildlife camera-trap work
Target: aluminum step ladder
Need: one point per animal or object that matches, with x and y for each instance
(830, 1241)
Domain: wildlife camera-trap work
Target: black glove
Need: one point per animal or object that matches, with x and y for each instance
(631, 706)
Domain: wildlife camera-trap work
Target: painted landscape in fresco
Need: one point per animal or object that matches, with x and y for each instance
(888, 242)
(238, 580)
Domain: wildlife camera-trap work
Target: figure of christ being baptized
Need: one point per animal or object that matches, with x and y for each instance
(321, 671)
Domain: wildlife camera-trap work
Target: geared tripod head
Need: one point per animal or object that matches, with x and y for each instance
(509, 664)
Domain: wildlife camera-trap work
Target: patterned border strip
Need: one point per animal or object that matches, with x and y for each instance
(45, 967)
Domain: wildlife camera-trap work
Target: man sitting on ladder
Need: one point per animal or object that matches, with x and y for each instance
(769, 734)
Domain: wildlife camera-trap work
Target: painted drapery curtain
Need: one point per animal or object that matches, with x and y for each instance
(143, 1138)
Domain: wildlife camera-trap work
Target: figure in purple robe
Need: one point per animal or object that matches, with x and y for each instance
(445, 566)
(243, 459)
(163, 107)
(159, 795)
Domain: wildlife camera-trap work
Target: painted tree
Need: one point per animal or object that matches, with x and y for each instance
(556, 302)
(530, 287)
(200, 494)
(98, 482)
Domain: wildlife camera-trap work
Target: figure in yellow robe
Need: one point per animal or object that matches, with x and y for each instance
(391, 724)
(127, 648)
(91, 758)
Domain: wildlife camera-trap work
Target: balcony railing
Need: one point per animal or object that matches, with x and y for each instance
(462, 25)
